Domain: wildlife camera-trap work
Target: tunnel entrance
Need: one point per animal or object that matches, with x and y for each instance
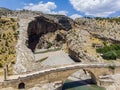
(21, 86)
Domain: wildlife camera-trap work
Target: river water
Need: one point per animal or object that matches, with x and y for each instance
(80, 85)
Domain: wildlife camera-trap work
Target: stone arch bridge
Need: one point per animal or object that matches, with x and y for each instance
(58, 74)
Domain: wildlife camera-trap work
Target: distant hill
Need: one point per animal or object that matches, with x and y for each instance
(5, 11)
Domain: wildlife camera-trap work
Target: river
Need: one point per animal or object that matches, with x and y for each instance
(80, 85)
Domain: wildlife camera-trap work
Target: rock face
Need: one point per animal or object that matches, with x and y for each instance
(89, 32)
(103, 29)
(65, 21)
(38, 27)
(80, 46)
(55, 39)
(42, 25)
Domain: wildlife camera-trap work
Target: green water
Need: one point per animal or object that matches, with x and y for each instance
(70, 85)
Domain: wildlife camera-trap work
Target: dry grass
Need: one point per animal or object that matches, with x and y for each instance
(8, 39)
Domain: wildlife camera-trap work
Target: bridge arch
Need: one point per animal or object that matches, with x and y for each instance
(92, 75)
(90, 78)
(87, 72)
(21, 85)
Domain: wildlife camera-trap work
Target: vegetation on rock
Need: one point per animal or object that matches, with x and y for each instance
(110, 51)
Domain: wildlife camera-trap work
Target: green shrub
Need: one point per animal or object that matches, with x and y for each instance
(93, 44)
(112, 67)
(12, 19)
(110, 52)
(16, 35)
(14, 28)
(104, 49)
(110, 55)
(118, 53)
(6, 43)
(2, 51)
(1, 65)
(13, 62)
(49, 44)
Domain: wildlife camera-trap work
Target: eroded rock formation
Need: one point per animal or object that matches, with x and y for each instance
(80, 46)
(42, 27)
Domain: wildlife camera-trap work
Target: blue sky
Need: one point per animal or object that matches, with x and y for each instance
(72, 8)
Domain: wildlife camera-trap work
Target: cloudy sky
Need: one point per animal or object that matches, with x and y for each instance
(72, 8)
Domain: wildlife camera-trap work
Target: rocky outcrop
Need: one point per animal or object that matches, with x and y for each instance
(80, 46)
(88, 32)
(65, 21)
(42, 27)
(38, 27)
(55, 39)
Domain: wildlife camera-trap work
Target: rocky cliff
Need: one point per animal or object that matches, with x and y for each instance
(91, 34)
(79, 42)
(103, 28)
(43, 27)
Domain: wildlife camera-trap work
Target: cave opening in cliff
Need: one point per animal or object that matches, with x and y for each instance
(38, 27)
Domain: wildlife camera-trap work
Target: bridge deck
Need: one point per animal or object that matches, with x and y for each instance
(62, 68)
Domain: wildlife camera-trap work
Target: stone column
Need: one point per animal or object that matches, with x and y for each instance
(5, 74)
(6, 69)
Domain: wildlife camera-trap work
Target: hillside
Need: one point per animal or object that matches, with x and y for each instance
(5, 11)
(92, 35)
(8, 40)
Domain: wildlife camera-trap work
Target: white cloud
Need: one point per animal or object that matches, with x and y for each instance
(75, 16)
(62, 12)
(43, 7)
(48, 8)
(31, 4)
(96, 7)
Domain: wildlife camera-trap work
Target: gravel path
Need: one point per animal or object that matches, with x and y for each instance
(57, 58)
(43, 55)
